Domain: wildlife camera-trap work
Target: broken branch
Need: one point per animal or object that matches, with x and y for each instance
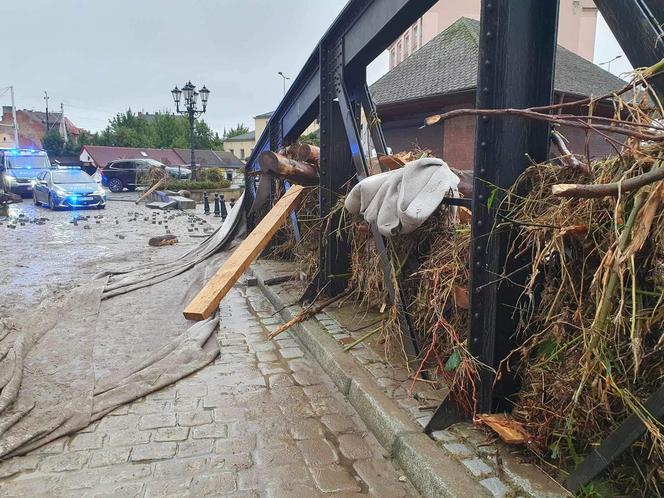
(607, 189)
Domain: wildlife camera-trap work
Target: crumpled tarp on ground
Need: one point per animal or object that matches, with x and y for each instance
(105, 343)
(399, 201)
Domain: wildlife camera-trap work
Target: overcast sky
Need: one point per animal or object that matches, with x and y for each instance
(100, 57)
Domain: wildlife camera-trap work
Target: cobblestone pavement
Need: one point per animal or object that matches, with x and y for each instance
(262, 420)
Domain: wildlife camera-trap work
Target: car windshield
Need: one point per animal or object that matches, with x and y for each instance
(33, 162)
(74, 176)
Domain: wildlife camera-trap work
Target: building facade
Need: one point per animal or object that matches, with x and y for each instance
(576, 27)
(441, 76)
(32, 127)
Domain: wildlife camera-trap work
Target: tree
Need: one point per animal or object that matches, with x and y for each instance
(53, 143)
(240, 129)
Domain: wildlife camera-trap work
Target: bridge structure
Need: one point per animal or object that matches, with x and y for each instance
(515, 70)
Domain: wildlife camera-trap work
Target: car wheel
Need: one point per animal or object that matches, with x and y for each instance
(34, 198)
(101, 206)
(115, 185)
(51, 203)
(131, 189)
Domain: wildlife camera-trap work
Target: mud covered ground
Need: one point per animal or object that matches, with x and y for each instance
(45, 252)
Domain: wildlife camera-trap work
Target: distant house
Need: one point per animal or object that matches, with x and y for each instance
(32, 127)
(243, 145)
(99, 156)
(442, 76)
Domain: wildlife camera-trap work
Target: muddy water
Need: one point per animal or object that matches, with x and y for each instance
(45, 252)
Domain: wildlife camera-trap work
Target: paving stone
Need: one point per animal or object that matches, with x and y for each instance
(281, 454)
(86, 441)
(64, 461)
(109, 456)
(186, 404)
(280, 380)
(128, 490)
(127, 472)
(271, 368)
(129, 438)
(156, 421)
(152, 451)
(214, 430)
(338, 423)
(194, 447)
(168, 487)
(170, 434)
(51, 448)
(180, 467)
(380, 477)
(191, 390)
(266, 356)
(292, 352)
(118, 423)
(149, 407)
(306, 428)
(459, 449)
(444, 436)
(234, 446)
(334, 479)
(318, 452)
(289, 490)
(194, 418)
(205, 485)
(354, 447)
(477, 467)
(496, 487)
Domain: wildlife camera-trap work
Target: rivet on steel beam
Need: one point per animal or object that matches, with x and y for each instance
(479, 223)
(476, 315)
(478, 264)
(480, 197)
(489, 34)
(489, 6)
(478, 248)
(478, 290)
(476, 340)
(483, 145)
(482, 171)
(485, 90)
(487, 62)
(485, 118)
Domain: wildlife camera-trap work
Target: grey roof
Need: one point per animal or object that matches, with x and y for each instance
(265, 115)
(448, 64)
(245, 137)
(207, 158)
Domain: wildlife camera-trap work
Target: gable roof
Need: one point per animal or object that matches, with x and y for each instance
(264, 115)
(448, 64)
(245, 137)
(207, 158)
(102, 155)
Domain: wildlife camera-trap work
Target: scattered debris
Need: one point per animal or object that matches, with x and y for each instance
(163, 240)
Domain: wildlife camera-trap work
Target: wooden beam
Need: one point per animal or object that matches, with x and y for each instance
(207, 300)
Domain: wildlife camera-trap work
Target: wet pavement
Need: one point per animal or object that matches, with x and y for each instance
(262, 420)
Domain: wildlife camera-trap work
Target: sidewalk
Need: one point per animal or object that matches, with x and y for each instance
(262, 420)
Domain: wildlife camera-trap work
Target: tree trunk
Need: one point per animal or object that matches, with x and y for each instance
(288, 169)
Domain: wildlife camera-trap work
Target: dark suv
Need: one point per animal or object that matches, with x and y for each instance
(131, 173)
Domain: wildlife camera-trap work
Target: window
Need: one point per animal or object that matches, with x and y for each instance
(406, 42)
(241, 153)
(399, 53)
(416, 37)
(393, 59)
(229, 176)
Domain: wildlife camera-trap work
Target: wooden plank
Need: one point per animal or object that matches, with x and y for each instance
(207, 300)
(507, 429)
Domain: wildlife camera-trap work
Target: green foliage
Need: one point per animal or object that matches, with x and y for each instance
(240, 129)
(312, 138)
(162, 131)
(215, 175)
(196, 185)
(53, 143)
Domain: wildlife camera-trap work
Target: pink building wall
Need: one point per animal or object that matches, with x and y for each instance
(576, 26)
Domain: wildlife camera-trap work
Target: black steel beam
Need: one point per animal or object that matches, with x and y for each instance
(631, 429)
(516, 68)
(637, 25)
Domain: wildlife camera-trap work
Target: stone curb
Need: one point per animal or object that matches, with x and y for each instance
(430, 470)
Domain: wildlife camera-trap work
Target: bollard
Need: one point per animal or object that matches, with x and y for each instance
(222, 205)
(206, 203)
(216, 204)
(232, 203)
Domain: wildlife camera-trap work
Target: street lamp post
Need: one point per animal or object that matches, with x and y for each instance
(191, 110)
(284, 78)
(608, 63)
